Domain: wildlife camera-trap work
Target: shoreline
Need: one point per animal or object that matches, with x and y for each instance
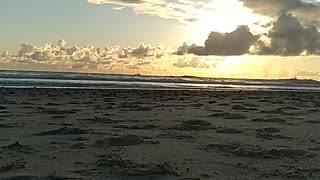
(150, 75)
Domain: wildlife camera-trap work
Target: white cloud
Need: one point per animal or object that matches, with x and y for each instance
(192, 62)
(26, 49)
(5, 54)
(87, 57)
(160, 60)
(161, 8)
(62, 43)
(201, 15)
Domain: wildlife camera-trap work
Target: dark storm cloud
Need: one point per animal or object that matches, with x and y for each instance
(295, 29)
(288, 37)
(307, 11)
(237, 42)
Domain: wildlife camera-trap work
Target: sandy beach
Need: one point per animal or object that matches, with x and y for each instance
(161, 135)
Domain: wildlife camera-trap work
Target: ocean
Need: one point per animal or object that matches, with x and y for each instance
(26, 79)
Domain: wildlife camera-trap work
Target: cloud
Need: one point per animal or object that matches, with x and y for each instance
(193, 62)
(184, 48)
(146, 59)
(117, 1)
(118, 8)
(308, 11)
(201, 15)
(5, 54)
(165, 9)
(302, 73)
(288, 37)
(87, 57)
(146, 51)
(260, 15)
(26, 49)
(274, 7)
(237, 42)
(61, 42)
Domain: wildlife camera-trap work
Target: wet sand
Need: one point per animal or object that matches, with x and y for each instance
(48, 134)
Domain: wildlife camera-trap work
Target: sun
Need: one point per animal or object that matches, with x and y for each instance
(224, 17)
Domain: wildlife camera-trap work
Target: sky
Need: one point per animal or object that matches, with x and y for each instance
(268, 39)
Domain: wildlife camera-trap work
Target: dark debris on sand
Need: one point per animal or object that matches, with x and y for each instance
(271, 136)
(57, 111)
(17, 165)
(239, 107)
(175, 135)
(258, 152)
(17, 147)
(229, 131)
(194, 125)
(271, 120)
(268, 130)
(145, 127)
(127, 140)
(63, 131)
(226, 115)
(131, 168)
(26, 177)
(8, 125)
(102, 120)
(292, 172)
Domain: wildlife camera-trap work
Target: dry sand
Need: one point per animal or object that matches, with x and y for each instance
(50, 134)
